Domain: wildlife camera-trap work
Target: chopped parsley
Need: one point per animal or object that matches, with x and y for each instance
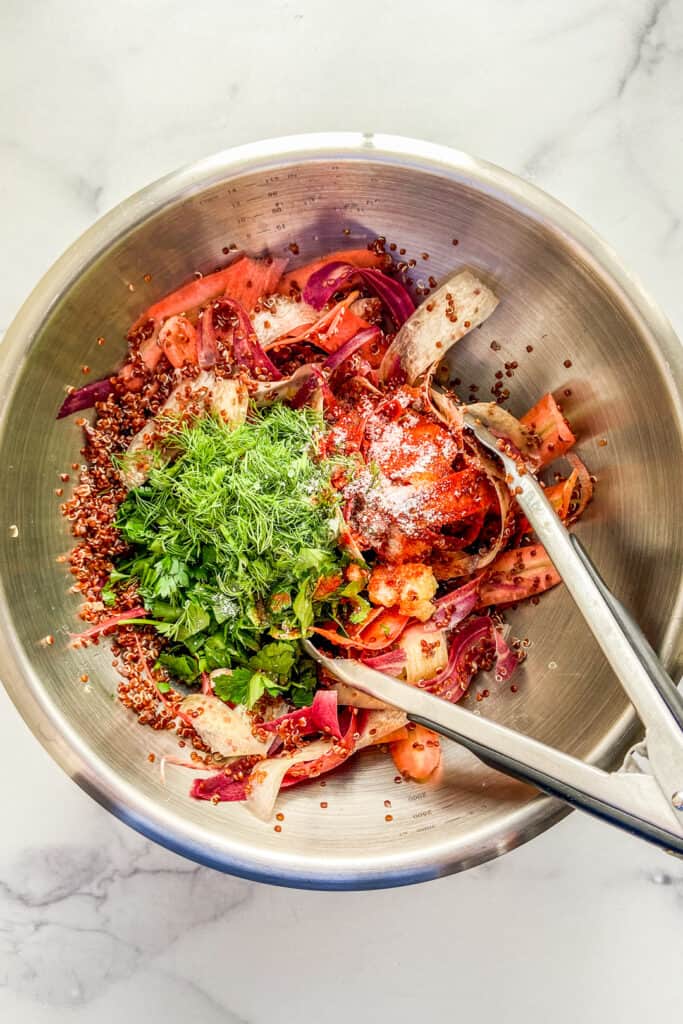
(227, 545)
(271, 670)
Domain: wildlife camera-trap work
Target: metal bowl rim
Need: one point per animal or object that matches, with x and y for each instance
(31, 696)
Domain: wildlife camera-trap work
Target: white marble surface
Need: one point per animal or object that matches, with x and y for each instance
(96, 99)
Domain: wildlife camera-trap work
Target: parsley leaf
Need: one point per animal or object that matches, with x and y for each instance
(226, 545)
(259, 684)
(277, 658)
(361, 607)
(182, 666)
(244, 685)
(192, 619)
(233, 687)
(302, 689)
(303, 607)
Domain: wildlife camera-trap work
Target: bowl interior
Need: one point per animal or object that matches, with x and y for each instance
(563, 324)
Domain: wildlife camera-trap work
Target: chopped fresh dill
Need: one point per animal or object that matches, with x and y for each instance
(229, 541)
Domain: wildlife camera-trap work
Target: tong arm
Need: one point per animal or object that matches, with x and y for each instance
(635, 664)
(631, 801)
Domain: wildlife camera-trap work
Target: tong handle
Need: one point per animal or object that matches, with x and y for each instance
(635, 664)
(630, 801)
(665, 686)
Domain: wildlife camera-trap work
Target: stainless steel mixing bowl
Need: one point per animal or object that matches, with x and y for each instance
(562, 293)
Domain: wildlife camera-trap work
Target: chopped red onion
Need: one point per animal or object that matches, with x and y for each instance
(468, 641)
(452, 608)
(345, 351)
(313, 382)
(322, 285)
(506, 659)
(234, 327)
(219, 787)
(453, 681)
(391, 662)
(85, 397)
(320, 716)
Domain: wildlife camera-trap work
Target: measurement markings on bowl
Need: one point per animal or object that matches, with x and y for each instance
(428, 826)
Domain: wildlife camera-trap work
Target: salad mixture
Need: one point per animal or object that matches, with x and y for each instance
(273, 462)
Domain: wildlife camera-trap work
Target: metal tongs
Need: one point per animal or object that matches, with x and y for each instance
(650, 806)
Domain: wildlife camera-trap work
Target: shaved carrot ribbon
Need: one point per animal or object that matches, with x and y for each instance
(296, 280)
(384, 629)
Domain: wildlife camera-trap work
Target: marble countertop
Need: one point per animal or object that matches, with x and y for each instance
(96, 100)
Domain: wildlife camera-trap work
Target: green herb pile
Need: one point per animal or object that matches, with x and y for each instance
(228, 543)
